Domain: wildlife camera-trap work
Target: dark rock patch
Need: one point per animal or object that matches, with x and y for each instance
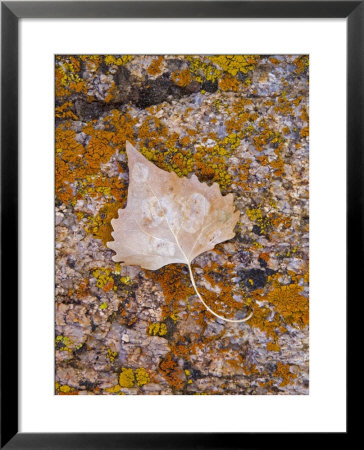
(158, 91)
(89, 110)
(257, 230)
(253, 278)
(210, 86)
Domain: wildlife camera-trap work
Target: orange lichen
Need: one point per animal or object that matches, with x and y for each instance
(237, 362)
(304, 132)
(264, 256)
(68, 154)
(304, 114)
(251, 369)
(155, 67)
(175, 284)
(67, 77)
(283, 371)
(278, 166)
(263, 318)
(242, 118)
(274, 60)
(181, 77)
(65, 111)
(92, 62)
(98, 151)
(83, 288)
(111, 93)
(277, 220)
(223, 302)
(229, 83)
(279, 306)
(78, 172)
(302, 63)
(100, 225)
(284, 105)
(267, 136)
(172, 372)
(273, 347)
(290, 304)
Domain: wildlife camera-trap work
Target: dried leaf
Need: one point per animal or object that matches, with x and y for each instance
(169, 219)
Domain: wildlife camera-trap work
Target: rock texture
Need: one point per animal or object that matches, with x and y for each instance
(240, 121)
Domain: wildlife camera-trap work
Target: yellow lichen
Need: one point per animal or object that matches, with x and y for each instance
(64, 389)
(212, 67)
(110, 355)
(141, 376)
(157, 329)
(126, 280)
(104, 281)
(126, 378)
(123, 59)
(64, 343)
(114, 390)
(233, 64)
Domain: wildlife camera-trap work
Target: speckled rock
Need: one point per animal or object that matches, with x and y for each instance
(240, 121)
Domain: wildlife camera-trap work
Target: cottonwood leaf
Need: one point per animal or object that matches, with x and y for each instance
(169, 219)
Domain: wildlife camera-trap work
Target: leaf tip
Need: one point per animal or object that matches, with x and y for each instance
(129, 148)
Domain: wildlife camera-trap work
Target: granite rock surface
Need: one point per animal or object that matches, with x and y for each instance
(240, 121)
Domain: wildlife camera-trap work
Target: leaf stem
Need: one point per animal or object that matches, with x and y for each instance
(207, 307)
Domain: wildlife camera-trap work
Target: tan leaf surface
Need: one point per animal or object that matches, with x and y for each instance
(169, 219)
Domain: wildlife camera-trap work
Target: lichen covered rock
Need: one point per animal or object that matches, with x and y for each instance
(238, 121)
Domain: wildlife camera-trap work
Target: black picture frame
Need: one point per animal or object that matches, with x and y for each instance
(11, 12)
